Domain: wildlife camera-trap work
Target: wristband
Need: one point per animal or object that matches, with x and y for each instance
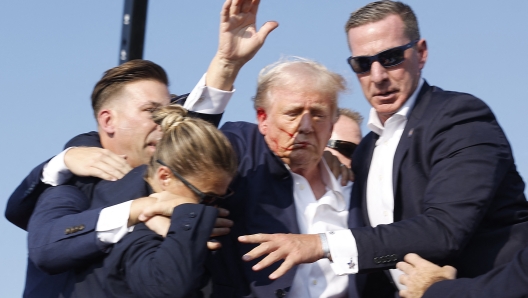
(324, 244)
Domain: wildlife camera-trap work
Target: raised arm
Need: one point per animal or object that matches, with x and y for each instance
(239, 41)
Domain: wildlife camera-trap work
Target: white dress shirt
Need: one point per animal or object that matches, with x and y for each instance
(314, 216)
(380, 195)
(113, 221)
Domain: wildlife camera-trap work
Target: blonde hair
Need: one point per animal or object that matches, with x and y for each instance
(288, 71)
(191, 146)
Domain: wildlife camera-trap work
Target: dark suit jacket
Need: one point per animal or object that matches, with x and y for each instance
(507, 281)
(458, 198)
(263, 203)
(142, 264)
(22, 202)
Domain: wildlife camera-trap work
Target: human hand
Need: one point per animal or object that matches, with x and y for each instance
(159, 224)
(420, 274)
(223, 225)
(96, 162)
(239, 41)
(294, 249)
(161, 203)
(337, 168)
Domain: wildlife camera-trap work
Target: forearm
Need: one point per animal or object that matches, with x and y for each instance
(23, 200)
(173, 265)
(61, 232)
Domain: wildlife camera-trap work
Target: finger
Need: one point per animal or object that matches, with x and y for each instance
(254, 7)
(283, 268)
(344, 175)
(96, 172)
(405, 267)
(270, 259)
(415, 259)
(220, 232)
(257, 252)
(118, 163)
(223, 223)
(266, 29)
(223, 212)
(404, 279)
(236, 5)
(212, 245)
(224, 14)
(246, 6)
(404, 293)
(255, 238)
(156, 209)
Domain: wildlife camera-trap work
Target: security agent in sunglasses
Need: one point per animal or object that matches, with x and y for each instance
(346, 136)
(435, 176)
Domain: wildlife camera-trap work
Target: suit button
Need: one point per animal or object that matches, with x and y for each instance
(376, 260)
(192, 215)
(81, 227)
(186, 227)
(280, 293)
(67, 231)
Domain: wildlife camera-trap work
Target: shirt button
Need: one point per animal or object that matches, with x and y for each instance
(386, 213)
(301, 186)
(314, 282)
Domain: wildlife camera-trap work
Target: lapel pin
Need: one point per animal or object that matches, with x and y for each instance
(410, 132)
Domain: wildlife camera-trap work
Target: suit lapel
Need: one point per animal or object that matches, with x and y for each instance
(414, 119)
(361, 165)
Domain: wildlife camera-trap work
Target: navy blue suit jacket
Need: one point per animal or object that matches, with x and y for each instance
(142, 264)
(458, 198)
(507, 281)
(262, 203)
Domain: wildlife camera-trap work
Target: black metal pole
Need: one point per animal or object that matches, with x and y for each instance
(133, 30)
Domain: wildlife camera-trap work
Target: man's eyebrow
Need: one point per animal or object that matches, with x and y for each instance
(152, 103)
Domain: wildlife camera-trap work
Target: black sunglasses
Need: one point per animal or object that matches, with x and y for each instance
(205, 198)
(344, 147)
(387, 58)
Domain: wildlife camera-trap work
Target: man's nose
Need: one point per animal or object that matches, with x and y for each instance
(306, 123)
(378, 73)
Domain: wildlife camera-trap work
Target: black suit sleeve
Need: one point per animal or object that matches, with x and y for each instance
(153, 266)
(507, 281)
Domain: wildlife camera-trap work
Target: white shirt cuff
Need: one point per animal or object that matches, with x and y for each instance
(55, 171)
(344, 252)
(207, 100)
(112, 224)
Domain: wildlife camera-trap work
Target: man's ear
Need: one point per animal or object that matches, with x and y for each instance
(106, 120)
(421, 47)
(262, 119)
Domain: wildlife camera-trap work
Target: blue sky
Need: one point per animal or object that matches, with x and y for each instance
(53, 52)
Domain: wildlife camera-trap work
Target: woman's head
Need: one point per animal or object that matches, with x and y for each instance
(193, 149)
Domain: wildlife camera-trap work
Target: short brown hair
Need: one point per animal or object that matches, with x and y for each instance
(115, 78)
(191, 146)
(377, 11)
(353, 115)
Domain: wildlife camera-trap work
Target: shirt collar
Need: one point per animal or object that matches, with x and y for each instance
(374, 123)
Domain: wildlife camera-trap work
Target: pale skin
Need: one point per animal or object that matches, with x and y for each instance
(239, 41)
(168, 188)
(420, 274)
(386, 89)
